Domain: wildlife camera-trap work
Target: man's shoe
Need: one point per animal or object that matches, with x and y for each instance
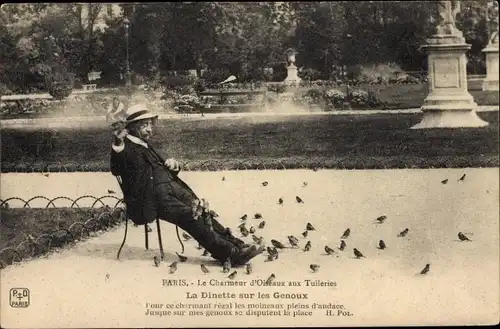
(245, 254)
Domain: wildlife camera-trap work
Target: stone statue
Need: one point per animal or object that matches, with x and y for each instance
(493, 20)
(448, 11)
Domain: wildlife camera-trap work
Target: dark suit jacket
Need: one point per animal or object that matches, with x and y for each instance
(135, 166)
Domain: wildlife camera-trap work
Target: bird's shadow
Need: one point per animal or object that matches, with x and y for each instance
(457, 240)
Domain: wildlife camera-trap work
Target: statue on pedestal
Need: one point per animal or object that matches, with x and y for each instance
(493, 20)
(448, 11)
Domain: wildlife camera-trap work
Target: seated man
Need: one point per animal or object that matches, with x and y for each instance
(152, 189)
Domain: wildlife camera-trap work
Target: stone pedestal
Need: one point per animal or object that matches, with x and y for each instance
(491, 80)
(292, 76)
(448, 104)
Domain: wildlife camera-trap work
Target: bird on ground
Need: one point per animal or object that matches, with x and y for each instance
(46, 175)
(299, 200)
(381, 244)
(293, 241)
(270, 279)
(444, 181)
(357, 253)
(342, 245)
(304, 184)
(241, 225)
(256, 239)
(271, 257)
(244, 217)
(307, 247)
(463, 237)
(156, 260)
(381, 219)
(223, 178)
(204, 269)
(426, 269)
(272, 251)
(186, 236)
(314, 267)
(305, 233)
(226, 267)
(262, 224)
(403, 233)
(252, 230)
(182, 259)
(265, 183)
(280, 200)
(232, 275)
(248, 268)
(205, 253)
(329, 250)
(257, 216)
(149, 228)
(277, 244)
(107, 277)
(462, 178)
(346, 234)
(111, 192)
(173, 267)
(309, 227)
(244, 231)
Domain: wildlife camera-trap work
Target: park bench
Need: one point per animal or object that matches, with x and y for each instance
(224, 94)
(89, 87)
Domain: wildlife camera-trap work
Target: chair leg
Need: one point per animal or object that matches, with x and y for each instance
(159, 238)
(124, 238)
(146, 236)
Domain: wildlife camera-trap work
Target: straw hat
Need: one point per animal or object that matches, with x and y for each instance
(139, 112)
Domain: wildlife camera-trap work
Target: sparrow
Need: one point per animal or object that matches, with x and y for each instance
(307, 247)
(228, 231)
(248, 268)
(186, 236)
(256, 239)
(329, 250)
(149, 228)
(107, 277)
(272, 251)
(46, 175)
(232, 275)
(270, 279)
(342, 245)
(346, 234)
(271, 257)
(262, 224)
(204, 269)
(244, 217)
(257, 216)
(252, 230)
(264, 183)
(357, 253)
(111, 192)
(426, 269)
(305, 233)
(173, 267)
(403, 232)
(381, 244)
(314, 267)
(182, 259)
(462, 178)
(205, 253)
(293, 241)
(280, 200)
(315, 169)
(277, 244)
(226, 267)
(241, 225)
(199, 247)
(223, 178)
(381, 219)
(309, 227)
(244, 231)
(304, 184)
(156, 259)
(444, 181)
(462, 237)
(299, 200)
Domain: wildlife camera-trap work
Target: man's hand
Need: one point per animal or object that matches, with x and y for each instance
(120, 134)
(172, 164)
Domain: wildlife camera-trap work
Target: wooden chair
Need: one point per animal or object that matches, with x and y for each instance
(119, 179)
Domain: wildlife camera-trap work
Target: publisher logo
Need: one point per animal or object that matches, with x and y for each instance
(19, 297)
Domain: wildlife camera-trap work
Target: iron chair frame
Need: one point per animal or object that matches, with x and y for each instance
(146, 233)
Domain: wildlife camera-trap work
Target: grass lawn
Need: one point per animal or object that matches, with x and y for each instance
(49, 227)
(374, 141)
